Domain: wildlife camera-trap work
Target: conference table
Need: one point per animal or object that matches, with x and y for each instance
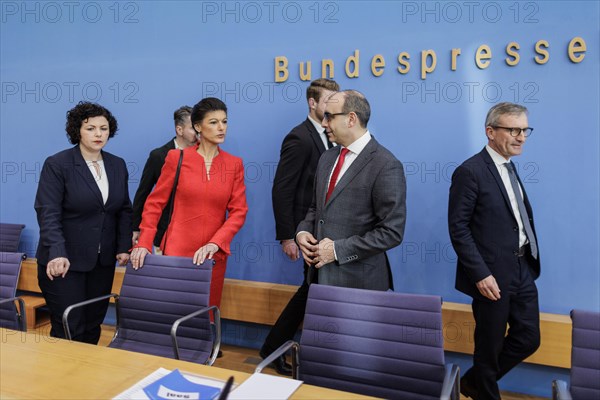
(34, 366)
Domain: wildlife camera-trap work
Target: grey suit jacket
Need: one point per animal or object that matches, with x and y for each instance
(365, 216)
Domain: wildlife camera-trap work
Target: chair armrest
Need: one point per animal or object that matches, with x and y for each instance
(560, 391)
(451, 385)
(22, 314)
(216, 342)
(65, 317)
(290, 344)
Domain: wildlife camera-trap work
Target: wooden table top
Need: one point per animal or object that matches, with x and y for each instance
(41, 367)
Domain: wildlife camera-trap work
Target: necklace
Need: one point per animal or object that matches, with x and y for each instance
(97, 167)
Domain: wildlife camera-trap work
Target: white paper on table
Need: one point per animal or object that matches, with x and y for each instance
(136, 392)
(265, 387)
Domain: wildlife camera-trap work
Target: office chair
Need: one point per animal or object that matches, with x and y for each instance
(10, 236)
(10, 316)
(163, 310)
(381, 344)
(585, 359)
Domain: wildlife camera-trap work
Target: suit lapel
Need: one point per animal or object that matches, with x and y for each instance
(170, 145)
(328, 160)
(525, 198)
(361, 161)
(111, 175)
(494, 171)
(315, 136)
(83, 170)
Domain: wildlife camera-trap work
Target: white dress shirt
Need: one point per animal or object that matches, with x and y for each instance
(321, 132)
(354, 150)
(100, 178)
(500, 161)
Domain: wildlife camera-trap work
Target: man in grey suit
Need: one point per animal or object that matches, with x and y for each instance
(358, 210)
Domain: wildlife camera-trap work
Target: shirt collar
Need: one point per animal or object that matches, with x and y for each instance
(177, 147)
(496, 158)
(317, 125)
(359, 144)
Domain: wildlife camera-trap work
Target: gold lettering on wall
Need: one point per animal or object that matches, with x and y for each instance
(305, 75)
(542, 52)
(377, 65)
(327, 65)
(404, 63)
(482, 56)
(576, 52)
(511, 51)
(352, 60)
(577, 45)
(455, 54)
(427, 68)
(281, 69)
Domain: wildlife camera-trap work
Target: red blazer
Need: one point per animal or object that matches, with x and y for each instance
(202, 203)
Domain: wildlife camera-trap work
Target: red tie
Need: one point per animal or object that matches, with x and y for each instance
(336, 172)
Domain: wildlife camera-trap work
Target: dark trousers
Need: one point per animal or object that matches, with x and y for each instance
(75, 287)
(497, 352)
(292, 315)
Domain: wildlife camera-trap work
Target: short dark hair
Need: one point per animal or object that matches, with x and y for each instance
(355, 101)
(205, 106)
(315, 90)
(81, 113)
(181, 115)
(501, 109)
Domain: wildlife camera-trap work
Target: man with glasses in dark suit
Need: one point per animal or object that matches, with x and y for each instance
(491, 227)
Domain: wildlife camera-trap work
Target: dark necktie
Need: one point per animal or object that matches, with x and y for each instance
(522, 210)
(336, 173)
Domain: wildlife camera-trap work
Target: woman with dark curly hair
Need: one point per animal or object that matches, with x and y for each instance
(84, 213)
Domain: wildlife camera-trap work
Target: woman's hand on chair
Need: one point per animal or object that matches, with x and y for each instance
(138, 255)
(205, 252)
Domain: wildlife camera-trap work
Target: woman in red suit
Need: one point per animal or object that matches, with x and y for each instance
(210, 201)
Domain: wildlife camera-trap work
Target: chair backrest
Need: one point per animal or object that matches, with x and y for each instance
(381, 344)
(10, 268)
(154, 297)
(10, 235)
(585, 355)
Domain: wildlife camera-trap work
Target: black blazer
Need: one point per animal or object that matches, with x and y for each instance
(483, 228)
(150, 175)
(73, 220)
(294, 179)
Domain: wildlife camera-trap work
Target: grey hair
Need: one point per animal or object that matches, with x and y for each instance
(501, 109)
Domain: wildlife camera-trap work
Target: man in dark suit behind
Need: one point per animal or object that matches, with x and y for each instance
(185, 136)
(491, 228)
(292, 195)
(358, 210)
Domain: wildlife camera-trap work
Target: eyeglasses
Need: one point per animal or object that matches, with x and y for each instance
(329, 116)
(514, 132)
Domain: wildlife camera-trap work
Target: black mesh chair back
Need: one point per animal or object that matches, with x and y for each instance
(154, 297)
(10, 236)
(10, 268)
(381, 344)
(585, 355)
